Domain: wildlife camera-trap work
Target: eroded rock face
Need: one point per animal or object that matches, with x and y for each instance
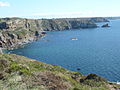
(15, 32)
(67, 24)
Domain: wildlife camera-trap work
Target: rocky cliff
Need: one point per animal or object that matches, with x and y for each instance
(14, 32)
(21, 73)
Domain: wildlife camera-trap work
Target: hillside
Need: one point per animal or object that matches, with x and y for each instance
(18, 72)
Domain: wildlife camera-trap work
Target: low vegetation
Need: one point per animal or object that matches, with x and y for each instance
(21, 73)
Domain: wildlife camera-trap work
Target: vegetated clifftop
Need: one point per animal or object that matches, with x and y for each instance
(113, 18)
(99, 19)
(14, 32)
(21, 73)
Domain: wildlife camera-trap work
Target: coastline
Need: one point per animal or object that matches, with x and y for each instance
(17, 31)
(31, 40)
(83, 74)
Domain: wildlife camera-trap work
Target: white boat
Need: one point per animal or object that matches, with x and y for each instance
(74, 39)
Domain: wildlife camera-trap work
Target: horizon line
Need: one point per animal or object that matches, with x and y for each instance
(56, 17)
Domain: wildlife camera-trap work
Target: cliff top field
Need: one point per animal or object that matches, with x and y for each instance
(18, 72)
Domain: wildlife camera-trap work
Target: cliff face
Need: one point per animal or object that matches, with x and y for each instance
(66, 24)
(16, 31)
(21, 73)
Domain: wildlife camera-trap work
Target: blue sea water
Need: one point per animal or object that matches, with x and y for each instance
(96, 50)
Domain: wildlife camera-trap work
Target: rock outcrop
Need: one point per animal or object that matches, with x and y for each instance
(105, 25)
(21, 73)
(15, 32)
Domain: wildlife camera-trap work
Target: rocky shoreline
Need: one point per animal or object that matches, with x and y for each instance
(14, 32)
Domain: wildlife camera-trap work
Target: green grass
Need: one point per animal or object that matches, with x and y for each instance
(16, 67)
(26, 68)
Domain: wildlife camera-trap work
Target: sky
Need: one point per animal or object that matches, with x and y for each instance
(59, 8)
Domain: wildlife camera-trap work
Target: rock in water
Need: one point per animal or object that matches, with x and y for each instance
(78, 69)
(105, 25)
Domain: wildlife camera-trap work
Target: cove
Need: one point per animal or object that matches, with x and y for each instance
(96, 50)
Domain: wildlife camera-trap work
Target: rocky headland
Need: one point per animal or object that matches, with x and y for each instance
(15, 32)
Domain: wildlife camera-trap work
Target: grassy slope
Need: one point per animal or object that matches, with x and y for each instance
(18, 72)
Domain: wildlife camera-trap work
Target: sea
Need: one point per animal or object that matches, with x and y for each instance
(94, 50)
